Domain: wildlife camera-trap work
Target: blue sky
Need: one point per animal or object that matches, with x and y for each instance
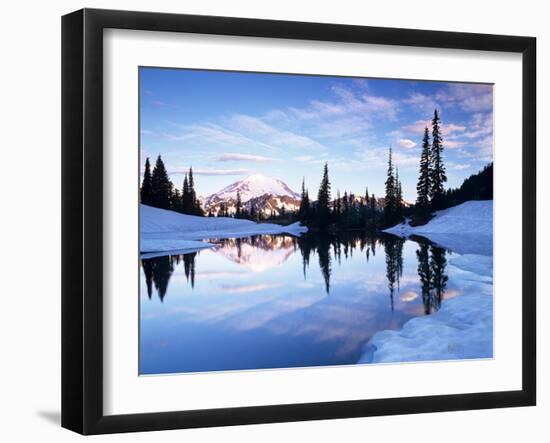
(228, 125)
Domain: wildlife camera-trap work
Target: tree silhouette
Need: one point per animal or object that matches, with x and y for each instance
(438, 176)
(161, 186)
(423, 187)
(323, 199)
(146, 191)
(323, 251)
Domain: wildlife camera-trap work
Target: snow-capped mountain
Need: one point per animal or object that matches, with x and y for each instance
(267, 195)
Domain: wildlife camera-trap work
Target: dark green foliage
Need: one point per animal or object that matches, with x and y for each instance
(146, 191)
(189, 202)
(423, 187)
(304, 212)
(161, 186)
(476, 187)
(393, 196)
(323, 199)
(238, 206)
(438, 175)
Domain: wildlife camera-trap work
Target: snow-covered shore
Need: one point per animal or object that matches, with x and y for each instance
(466, 228)
(162, 230)
(463, 327)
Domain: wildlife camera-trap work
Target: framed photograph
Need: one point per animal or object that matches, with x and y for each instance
(269, 221)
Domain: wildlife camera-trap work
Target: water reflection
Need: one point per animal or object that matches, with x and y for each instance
(281, 301)
(262, 252)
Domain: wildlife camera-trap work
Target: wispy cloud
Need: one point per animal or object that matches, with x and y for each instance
(210, 171)
(270, 134)
(406, 143)
(241, 289)
(453, 144)
(469, 97)
(236, 157)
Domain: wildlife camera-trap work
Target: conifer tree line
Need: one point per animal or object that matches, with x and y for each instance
(337, 210)
(393, 199)
(347, 211)
(430, 188)
(158, 190)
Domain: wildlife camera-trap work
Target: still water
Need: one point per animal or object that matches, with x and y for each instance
(277, 301)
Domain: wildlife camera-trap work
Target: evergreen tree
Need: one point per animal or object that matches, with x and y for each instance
(423, 188)
(438, 176)
(373, 201)
(345, 204)
(367, 196)
(323, 199)
(175, 202)
(398, 194)
(303, 212)
(195, 204)
(161, 186)
(390, 197)
(146, 191)
(238, 205)
(186, 205)
(192, 195)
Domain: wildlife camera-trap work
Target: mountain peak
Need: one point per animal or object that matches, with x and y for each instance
(255, 186)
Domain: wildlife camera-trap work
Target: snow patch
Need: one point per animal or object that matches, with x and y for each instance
(461, 329)
(466, 228)
(163, 230)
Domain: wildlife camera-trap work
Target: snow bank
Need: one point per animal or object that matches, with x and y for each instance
(162, 230)
(466, 228)
(461, 329)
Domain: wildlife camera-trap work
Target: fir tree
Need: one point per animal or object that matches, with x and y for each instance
(175, 203)
(438, 176)
(161, 186)
(238, 205)
(303, 212)
(195, 204)
(398, 194)
(390, 197)
(423, 188)
(146, 191)
(345, 202)
(186, 206)
(192, 195)
(323, 198)
(373, 201)
(367, 197)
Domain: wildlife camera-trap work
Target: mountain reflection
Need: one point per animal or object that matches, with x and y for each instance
(263, 253)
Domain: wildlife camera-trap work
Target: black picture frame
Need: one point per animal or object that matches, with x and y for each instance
(82, 215)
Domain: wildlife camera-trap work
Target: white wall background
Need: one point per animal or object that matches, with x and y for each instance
(30, 222)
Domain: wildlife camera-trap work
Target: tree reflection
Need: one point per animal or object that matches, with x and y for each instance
(432, 263)
(323, 251)
(157, 272)
(394, 264)
(330, 249)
